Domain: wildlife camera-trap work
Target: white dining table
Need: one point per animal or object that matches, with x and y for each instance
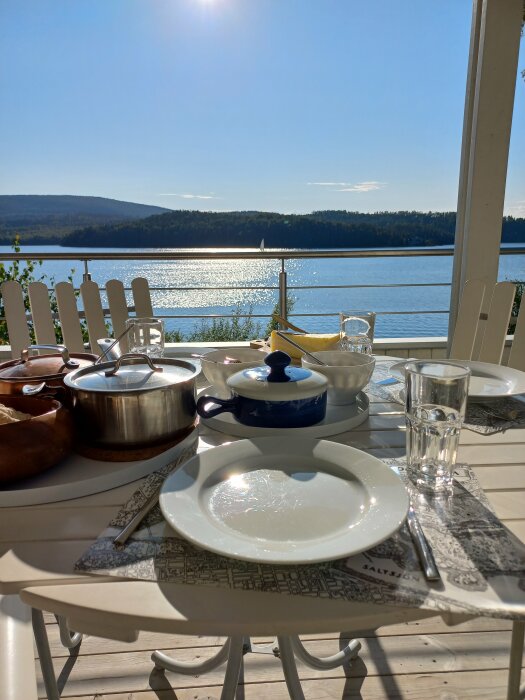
(40, 544)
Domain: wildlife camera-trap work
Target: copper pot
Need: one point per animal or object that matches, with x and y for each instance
(42, 374)
(28, 447)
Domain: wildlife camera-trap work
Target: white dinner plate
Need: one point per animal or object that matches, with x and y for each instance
(486, 381)
(284, 500)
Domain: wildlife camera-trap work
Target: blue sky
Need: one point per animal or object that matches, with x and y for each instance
(279, 105)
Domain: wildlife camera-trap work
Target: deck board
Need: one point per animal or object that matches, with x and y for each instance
(488, 685)
(380, 656)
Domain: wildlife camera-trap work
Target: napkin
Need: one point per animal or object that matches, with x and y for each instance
(313, 342)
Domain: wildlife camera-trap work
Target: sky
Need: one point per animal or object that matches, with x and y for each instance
(276, 105)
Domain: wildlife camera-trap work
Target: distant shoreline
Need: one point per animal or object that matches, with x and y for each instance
(86, 222)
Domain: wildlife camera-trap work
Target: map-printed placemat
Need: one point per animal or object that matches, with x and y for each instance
(485, 417)
(481, 563)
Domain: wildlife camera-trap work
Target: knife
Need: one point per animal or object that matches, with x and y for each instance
(424, 552)
(122, 537)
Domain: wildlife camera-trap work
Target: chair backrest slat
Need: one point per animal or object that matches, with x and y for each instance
(41, 313)
(141, 297)
(467, 320)
(118, 309)
(497, 324)
(44, 324)
(69, 319)
(517, 351)
(16, 318)
(94, 313)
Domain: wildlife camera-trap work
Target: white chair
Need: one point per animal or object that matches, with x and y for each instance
(517, 351)
(480, 336)
(43, 319)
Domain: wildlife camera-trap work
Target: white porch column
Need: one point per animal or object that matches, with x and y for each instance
(489, 102)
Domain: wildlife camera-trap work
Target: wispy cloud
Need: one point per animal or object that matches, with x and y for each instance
(517, 209)
(331, 184)
(364, 187)
(187, 195)
(368, 186)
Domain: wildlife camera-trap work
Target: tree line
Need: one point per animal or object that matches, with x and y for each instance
(320, 229)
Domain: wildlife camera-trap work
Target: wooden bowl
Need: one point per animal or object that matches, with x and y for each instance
(31, 446)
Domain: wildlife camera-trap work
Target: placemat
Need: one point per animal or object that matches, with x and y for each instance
(484, 417)
(482, 564)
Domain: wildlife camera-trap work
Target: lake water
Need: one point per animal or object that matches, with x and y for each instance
(242, 274)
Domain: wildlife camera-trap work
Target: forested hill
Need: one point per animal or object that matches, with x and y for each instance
(47, 218)
(321, 229)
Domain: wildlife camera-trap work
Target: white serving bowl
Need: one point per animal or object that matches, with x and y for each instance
(217, 371)
(347, 373)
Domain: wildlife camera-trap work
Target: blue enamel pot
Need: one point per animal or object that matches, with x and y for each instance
(274, 396)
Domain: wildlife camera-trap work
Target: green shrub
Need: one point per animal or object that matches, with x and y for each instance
(26, 272)
(23, 272)
(239, 327)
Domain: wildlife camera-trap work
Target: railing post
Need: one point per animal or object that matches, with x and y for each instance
(283, 292)
(86, 277)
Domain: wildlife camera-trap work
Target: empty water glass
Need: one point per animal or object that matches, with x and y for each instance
(436, 399)
(357, 330)
(146, 336)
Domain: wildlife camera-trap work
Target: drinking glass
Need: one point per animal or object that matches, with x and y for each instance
(357, 330)
(146, 335)
(436, 399)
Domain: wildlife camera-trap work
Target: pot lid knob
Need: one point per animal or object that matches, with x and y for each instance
(277, 361)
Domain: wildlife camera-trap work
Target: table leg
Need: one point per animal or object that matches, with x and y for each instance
(69, 639)
(231, 651)
(233, 668)
(286, 648)
(286, 654)
(349, 653)
(165, 662)
(516, 660)
(44, 653)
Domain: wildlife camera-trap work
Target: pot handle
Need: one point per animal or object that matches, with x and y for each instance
(44, 391)
(131, 356)
(69, 363)
(222, 406)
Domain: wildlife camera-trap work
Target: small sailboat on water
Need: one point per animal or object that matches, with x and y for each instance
(261, 246)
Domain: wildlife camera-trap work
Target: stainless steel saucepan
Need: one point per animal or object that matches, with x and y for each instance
(133, 401)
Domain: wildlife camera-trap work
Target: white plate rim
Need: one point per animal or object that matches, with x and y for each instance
(501, 372)
(198, 529)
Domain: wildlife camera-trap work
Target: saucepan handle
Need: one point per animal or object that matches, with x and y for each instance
(221, 406)
(132, 358)
(68, 362)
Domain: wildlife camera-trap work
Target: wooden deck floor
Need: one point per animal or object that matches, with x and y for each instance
(423, 660)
